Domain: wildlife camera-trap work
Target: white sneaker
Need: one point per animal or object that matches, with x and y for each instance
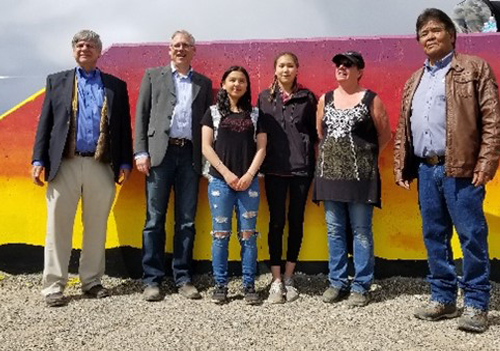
(276, 293)
(292, 293)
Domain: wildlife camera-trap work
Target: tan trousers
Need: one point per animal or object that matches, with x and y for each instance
(91, 181)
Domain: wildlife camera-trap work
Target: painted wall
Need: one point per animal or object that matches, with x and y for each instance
(389, 62)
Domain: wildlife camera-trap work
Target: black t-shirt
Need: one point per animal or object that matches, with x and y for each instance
(235, 144)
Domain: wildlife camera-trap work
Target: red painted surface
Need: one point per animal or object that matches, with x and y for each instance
(389, 63)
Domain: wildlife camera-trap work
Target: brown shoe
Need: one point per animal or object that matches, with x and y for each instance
(55, 300)
(357, 299)
(334, 294)
(251, 296)
(152, 293)
(435, 311)
(189, 291)
(97, 292)
(473, 320)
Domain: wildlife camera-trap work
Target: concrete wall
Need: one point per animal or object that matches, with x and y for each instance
(389, 62)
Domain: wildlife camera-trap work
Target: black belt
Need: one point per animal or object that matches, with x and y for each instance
(84, 154)
(432, 160)
(179, 141)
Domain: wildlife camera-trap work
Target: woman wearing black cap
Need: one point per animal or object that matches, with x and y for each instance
(353, 127)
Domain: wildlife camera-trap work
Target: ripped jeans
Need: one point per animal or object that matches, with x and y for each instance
(222, 201)
(360, 216)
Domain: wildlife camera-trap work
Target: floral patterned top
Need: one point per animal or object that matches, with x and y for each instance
(347, 164)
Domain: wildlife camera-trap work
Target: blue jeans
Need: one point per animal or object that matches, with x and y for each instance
(444, 202)
(175, 171)
(360, 216)
(223, 200)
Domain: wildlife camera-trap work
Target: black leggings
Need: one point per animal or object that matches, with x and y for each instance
(277, 188)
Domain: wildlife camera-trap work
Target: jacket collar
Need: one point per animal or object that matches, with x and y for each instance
(445, 61)
(106, 82)
(174, 71)
(167, 72)
(456, 62)
(300, 93)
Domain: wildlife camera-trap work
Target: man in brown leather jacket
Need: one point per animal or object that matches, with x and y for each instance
(448, 137)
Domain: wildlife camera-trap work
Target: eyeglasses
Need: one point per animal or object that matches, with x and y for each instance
(345, 63)
(179, 46)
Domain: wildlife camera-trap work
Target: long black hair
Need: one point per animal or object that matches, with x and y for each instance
(244, 103)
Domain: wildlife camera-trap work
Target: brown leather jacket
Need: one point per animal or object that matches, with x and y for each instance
(472, 121)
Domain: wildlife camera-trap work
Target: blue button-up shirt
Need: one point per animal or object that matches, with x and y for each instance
(181, 118)
(90, 102)
(428, 110)
(88, 118)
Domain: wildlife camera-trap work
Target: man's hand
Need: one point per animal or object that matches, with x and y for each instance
(404, 184)
(143, 164)
(36, 175)
(480, 178)
(124, 174)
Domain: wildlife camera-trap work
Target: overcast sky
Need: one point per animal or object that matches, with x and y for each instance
(35, 37)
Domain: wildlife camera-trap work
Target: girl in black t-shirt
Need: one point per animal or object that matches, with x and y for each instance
(234, 143)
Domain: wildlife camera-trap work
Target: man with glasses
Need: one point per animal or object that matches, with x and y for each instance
(448, 138)
(172, 100)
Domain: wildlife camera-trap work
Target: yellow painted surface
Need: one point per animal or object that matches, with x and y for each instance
(397, 227)
(22, 103)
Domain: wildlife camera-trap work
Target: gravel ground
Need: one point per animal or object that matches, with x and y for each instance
(125, 322)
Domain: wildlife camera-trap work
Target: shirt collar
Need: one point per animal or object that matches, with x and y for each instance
(90, 75)
(180, 75)
(445, 61)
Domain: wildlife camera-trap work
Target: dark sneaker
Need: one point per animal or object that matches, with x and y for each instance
(473, 320)
(251, 296)
(55, 300)
(435, 311)
(292, 293)
(219, 295)
(97, 292)
(152, 293)
(189, 291)
(334, 294)
(357, 299)
(276, 293)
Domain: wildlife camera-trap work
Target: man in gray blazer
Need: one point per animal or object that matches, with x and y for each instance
(172, 100)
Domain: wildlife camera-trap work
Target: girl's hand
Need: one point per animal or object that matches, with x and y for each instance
(244, 182)
(232, 180)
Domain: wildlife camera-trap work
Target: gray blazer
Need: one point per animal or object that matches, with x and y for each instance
(155, 106)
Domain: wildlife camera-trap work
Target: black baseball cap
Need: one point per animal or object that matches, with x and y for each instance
(352, 56)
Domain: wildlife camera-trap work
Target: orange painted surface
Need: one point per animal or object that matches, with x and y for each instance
(390, 61)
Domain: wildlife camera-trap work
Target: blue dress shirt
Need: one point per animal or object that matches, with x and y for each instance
(90, 102)
(428, 110)
(182, 115)
(88, 117)
(181, 125)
